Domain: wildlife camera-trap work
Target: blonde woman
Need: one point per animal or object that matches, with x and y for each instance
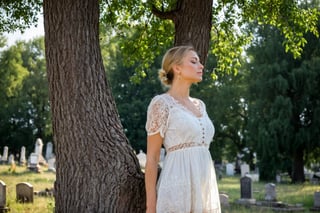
(180, 123)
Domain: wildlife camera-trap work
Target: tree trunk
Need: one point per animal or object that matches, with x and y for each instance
(96, 169)
(193, 21)
(298, 166)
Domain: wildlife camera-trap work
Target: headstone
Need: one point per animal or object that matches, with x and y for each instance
(38, 146)
(4, 158)
(246, 191)
(49, 150)
(254, 177)
(245, 169)
(271, 194)
(3, 199)
(38, 151)
(24, 192)
(162, 154)
(34, 162)
(11, 159)
(2, 194)
(317, 200)
(246, 187)
(52, 164)
(23, 160)
(229, 169)
(224, 200)
(142, 159)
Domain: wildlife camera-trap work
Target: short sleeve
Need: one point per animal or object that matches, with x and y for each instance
(157, 116)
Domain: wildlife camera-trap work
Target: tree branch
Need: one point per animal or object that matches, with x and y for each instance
(168, 14)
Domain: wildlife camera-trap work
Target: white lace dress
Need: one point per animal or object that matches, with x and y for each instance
(187, 182)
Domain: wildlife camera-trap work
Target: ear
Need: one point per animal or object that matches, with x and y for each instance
(176, 69)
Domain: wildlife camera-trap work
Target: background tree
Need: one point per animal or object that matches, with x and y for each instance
(284, 107)
(25, 113)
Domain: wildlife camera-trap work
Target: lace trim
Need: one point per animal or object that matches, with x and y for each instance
(185, 145)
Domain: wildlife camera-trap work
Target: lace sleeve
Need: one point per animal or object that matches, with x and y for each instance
(157, 116)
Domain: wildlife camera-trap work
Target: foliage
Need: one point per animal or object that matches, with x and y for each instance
(229, 19)
(18, 14)
(283, 105)
(25, 112)
(132, 98)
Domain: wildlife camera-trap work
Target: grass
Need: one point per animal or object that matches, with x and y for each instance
(286, 192)
(40, 181)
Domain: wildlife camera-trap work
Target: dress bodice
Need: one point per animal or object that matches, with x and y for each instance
(179, 127)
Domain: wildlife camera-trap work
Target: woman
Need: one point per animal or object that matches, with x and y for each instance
(180, 123)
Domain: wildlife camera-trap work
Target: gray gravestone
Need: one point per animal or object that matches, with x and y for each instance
(316, 200)
(11, 159)
(49, 151)
(271, 194)
(224, 200)
(24, 192)
(246, 187)
(2, 194)
(3, 200)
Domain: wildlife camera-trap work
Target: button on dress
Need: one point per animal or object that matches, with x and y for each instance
(187, 182)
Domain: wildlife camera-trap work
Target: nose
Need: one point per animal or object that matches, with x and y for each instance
(201, 66)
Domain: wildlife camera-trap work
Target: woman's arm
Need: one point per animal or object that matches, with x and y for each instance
(154, 143)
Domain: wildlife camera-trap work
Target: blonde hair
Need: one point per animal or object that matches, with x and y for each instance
(172, 57)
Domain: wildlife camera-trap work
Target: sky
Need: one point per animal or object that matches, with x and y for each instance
(27, 35)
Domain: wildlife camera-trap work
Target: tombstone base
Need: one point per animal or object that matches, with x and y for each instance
(35, 168)
(315, 209)
(246, 201)
(4, 209)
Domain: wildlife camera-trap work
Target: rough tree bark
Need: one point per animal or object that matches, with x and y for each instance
(97, 170)
(193, 21)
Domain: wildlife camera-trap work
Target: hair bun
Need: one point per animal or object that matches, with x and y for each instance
(163, 76)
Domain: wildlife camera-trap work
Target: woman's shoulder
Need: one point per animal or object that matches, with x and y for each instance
(160, 98)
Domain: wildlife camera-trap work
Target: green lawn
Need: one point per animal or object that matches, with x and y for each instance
(287, 193)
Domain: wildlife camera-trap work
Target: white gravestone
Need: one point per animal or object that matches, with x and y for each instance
(34, 162)
(229, 169)
(38, 150)
(162, 156)
(5, 154)
(38, 146)
(142, 159)
(244, 169)
(23, 159)
(52, 164)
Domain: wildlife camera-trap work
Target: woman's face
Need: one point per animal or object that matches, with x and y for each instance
(190, 69)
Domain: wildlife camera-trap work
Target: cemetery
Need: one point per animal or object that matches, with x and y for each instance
(26, 185)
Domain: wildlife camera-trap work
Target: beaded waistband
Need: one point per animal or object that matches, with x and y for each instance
(185, 145)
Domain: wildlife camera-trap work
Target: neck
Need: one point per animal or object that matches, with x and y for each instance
(179, 92)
